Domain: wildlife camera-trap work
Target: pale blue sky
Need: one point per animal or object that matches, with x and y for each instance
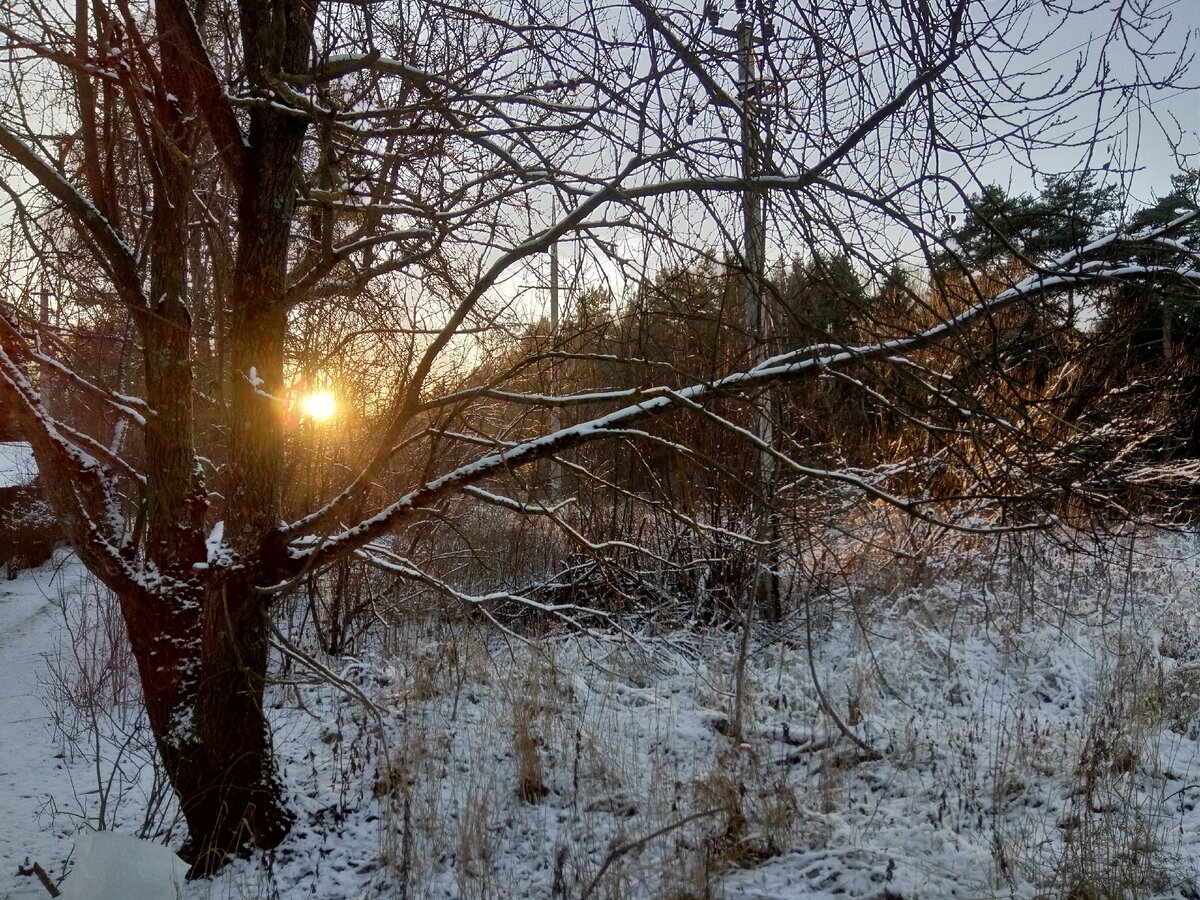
(1146, 150)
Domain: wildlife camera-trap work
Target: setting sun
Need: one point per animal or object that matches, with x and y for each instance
(318, 406)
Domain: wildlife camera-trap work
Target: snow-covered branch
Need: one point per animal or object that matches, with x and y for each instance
(79, 483)
(133, 408)
(382, 557)
(118, 254)
(1083, 266)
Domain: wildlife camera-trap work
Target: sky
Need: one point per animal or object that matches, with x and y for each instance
(1155, 137)
(1141, 157)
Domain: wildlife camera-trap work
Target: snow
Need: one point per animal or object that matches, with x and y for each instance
(984, 694)
(112, 866)
(1028, 712)
(33, 780)
(218, 550)
(257, 383)
(17, 466)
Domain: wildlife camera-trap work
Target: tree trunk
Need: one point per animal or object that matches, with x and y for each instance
(211, 732)
(227, 781)
(199, 628)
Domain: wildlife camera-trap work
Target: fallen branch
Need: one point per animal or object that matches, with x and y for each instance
(42, 876)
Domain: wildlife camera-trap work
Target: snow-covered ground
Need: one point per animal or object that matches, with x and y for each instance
(33, 775)
(17, 466)
(1027, 727)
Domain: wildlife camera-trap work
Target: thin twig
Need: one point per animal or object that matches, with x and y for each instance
(866, 748)
(621, 849)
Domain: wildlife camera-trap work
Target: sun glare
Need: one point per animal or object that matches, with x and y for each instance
(319, 406)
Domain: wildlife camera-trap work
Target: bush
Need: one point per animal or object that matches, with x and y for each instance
(28, 530)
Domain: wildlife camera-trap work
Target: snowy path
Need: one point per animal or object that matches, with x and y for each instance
(29, 772)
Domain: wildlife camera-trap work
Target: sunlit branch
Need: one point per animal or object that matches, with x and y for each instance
(1073, 269)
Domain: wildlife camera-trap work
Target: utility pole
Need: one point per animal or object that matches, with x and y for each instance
(766, 585)
(555, 411)
(764, 590)
(50, 382)
(554, 291)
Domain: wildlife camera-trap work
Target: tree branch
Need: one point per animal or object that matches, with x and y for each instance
(1070, 271)
(118, 254)
(210, 95)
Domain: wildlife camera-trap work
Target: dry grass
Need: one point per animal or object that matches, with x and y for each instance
(587, 765)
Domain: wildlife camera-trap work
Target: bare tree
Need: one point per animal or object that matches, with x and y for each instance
(224, 173)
